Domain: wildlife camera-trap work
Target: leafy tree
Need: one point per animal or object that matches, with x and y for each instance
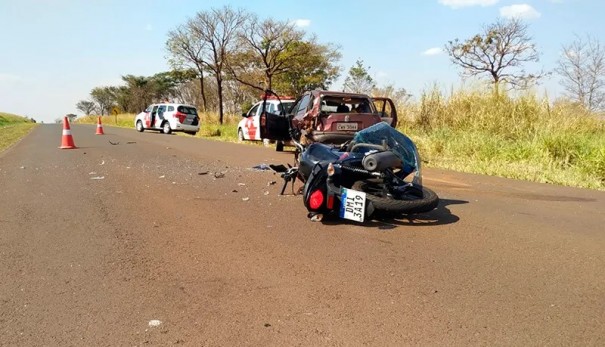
(104, 97)
(311, 65)
(86, 106)
(359, 80)
(274, 54)
(582, 71)
(499, 52)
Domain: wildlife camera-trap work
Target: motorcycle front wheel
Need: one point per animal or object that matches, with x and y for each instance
(375, 193)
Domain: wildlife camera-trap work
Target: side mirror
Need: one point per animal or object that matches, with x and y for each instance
(244, 115)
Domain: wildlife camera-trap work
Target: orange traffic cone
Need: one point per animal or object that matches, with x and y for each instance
(67, 141)
(99, 127)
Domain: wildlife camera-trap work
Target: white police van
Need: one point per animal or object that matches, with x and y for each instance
(168, 117)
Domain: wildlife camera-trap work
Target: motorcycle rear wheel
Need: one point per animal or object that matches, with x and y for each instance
(388, 204)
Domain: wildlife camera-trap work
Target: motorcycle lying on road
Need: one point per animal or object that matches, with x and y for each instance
(377, 173)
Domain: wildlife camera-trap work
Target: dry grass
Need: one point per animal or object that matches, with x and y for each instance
(521, 137)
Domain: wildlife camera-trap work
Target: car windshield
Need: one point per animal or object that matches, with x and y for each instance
(346, 104)
(187, 110)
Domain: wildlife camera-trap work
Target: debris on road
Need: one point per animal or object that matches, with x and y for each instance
(162, 176)
(114, 143)
(271, 183)
(202, 173)
(266, 193)
(155, 323)
(219, 175)
(22, 167)
(241, 184)
(102, 162)
(130, 142)
(262, 167)
(98, 178)
(245, 199)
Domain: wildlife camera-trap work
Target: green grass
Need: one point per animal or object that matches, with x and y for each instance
(13, 128)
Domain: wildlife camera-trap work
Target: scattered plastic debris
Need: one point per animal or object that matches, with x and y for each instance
(114, 143)
(102, 162)
(202, 173)
(262, 167)
(98, 178)
(130, 142)
(162, 176)
(271, 183)
(219, 175)
(245, 199)
(241, 184)
(266, 193)
(92, 173)
(155, 323)
(22, 167)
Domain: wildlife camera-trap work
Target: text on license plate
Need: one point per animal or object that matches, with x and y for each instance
(352, 204)
(346, 126)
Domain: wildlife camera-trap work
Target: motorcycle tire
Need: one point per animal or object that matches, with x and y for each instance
(428, 202)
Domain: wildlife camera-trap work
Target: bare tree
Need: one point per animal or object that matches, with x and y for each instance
(500, 52)
(188, 49)
(582, 69)
(267, 43)
(218, 29)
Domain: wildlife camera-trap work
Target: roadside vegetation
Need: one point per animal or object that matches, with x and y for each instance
(13, 128)
(516, 136)
(223, 59)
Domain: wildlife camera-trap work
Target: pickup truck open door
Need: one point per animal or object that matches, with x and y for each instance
(386, 109)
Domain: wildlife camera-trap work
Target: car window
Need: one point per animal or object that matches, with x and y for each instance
(253, 110)
(148, 109)
(162, 108)
(170, 108)
(304, 103)
(285, 106)
(294, 106)
(187, 110)
(155, 108)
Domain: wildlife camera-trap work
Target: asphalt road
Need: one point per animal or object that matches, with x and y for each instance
(138, 243)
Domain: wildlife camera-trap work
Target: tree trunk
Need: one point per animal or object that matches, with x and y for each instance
(204, 106)
(219, 88)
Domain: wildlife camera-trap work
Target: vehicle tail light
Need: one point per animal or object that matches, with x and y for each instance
(180, 116)
(330, 202)
(316, 199)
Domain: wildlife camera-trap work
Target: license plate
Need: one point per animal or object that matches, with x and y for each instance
(352, 204)
(346, 126)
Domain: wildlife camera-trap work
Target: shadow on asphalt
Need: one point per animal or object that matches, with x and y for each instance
(439, 216)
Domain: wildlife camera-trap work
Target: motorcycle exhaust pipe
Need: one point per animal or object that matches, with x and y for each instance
(380, 161)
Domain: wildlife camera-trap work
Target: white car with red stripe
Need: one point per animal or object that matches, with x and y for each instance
(169, 117)
(248, 128)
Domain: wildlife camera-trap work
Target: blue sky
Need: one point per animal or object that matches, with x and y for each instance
(55, 51)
